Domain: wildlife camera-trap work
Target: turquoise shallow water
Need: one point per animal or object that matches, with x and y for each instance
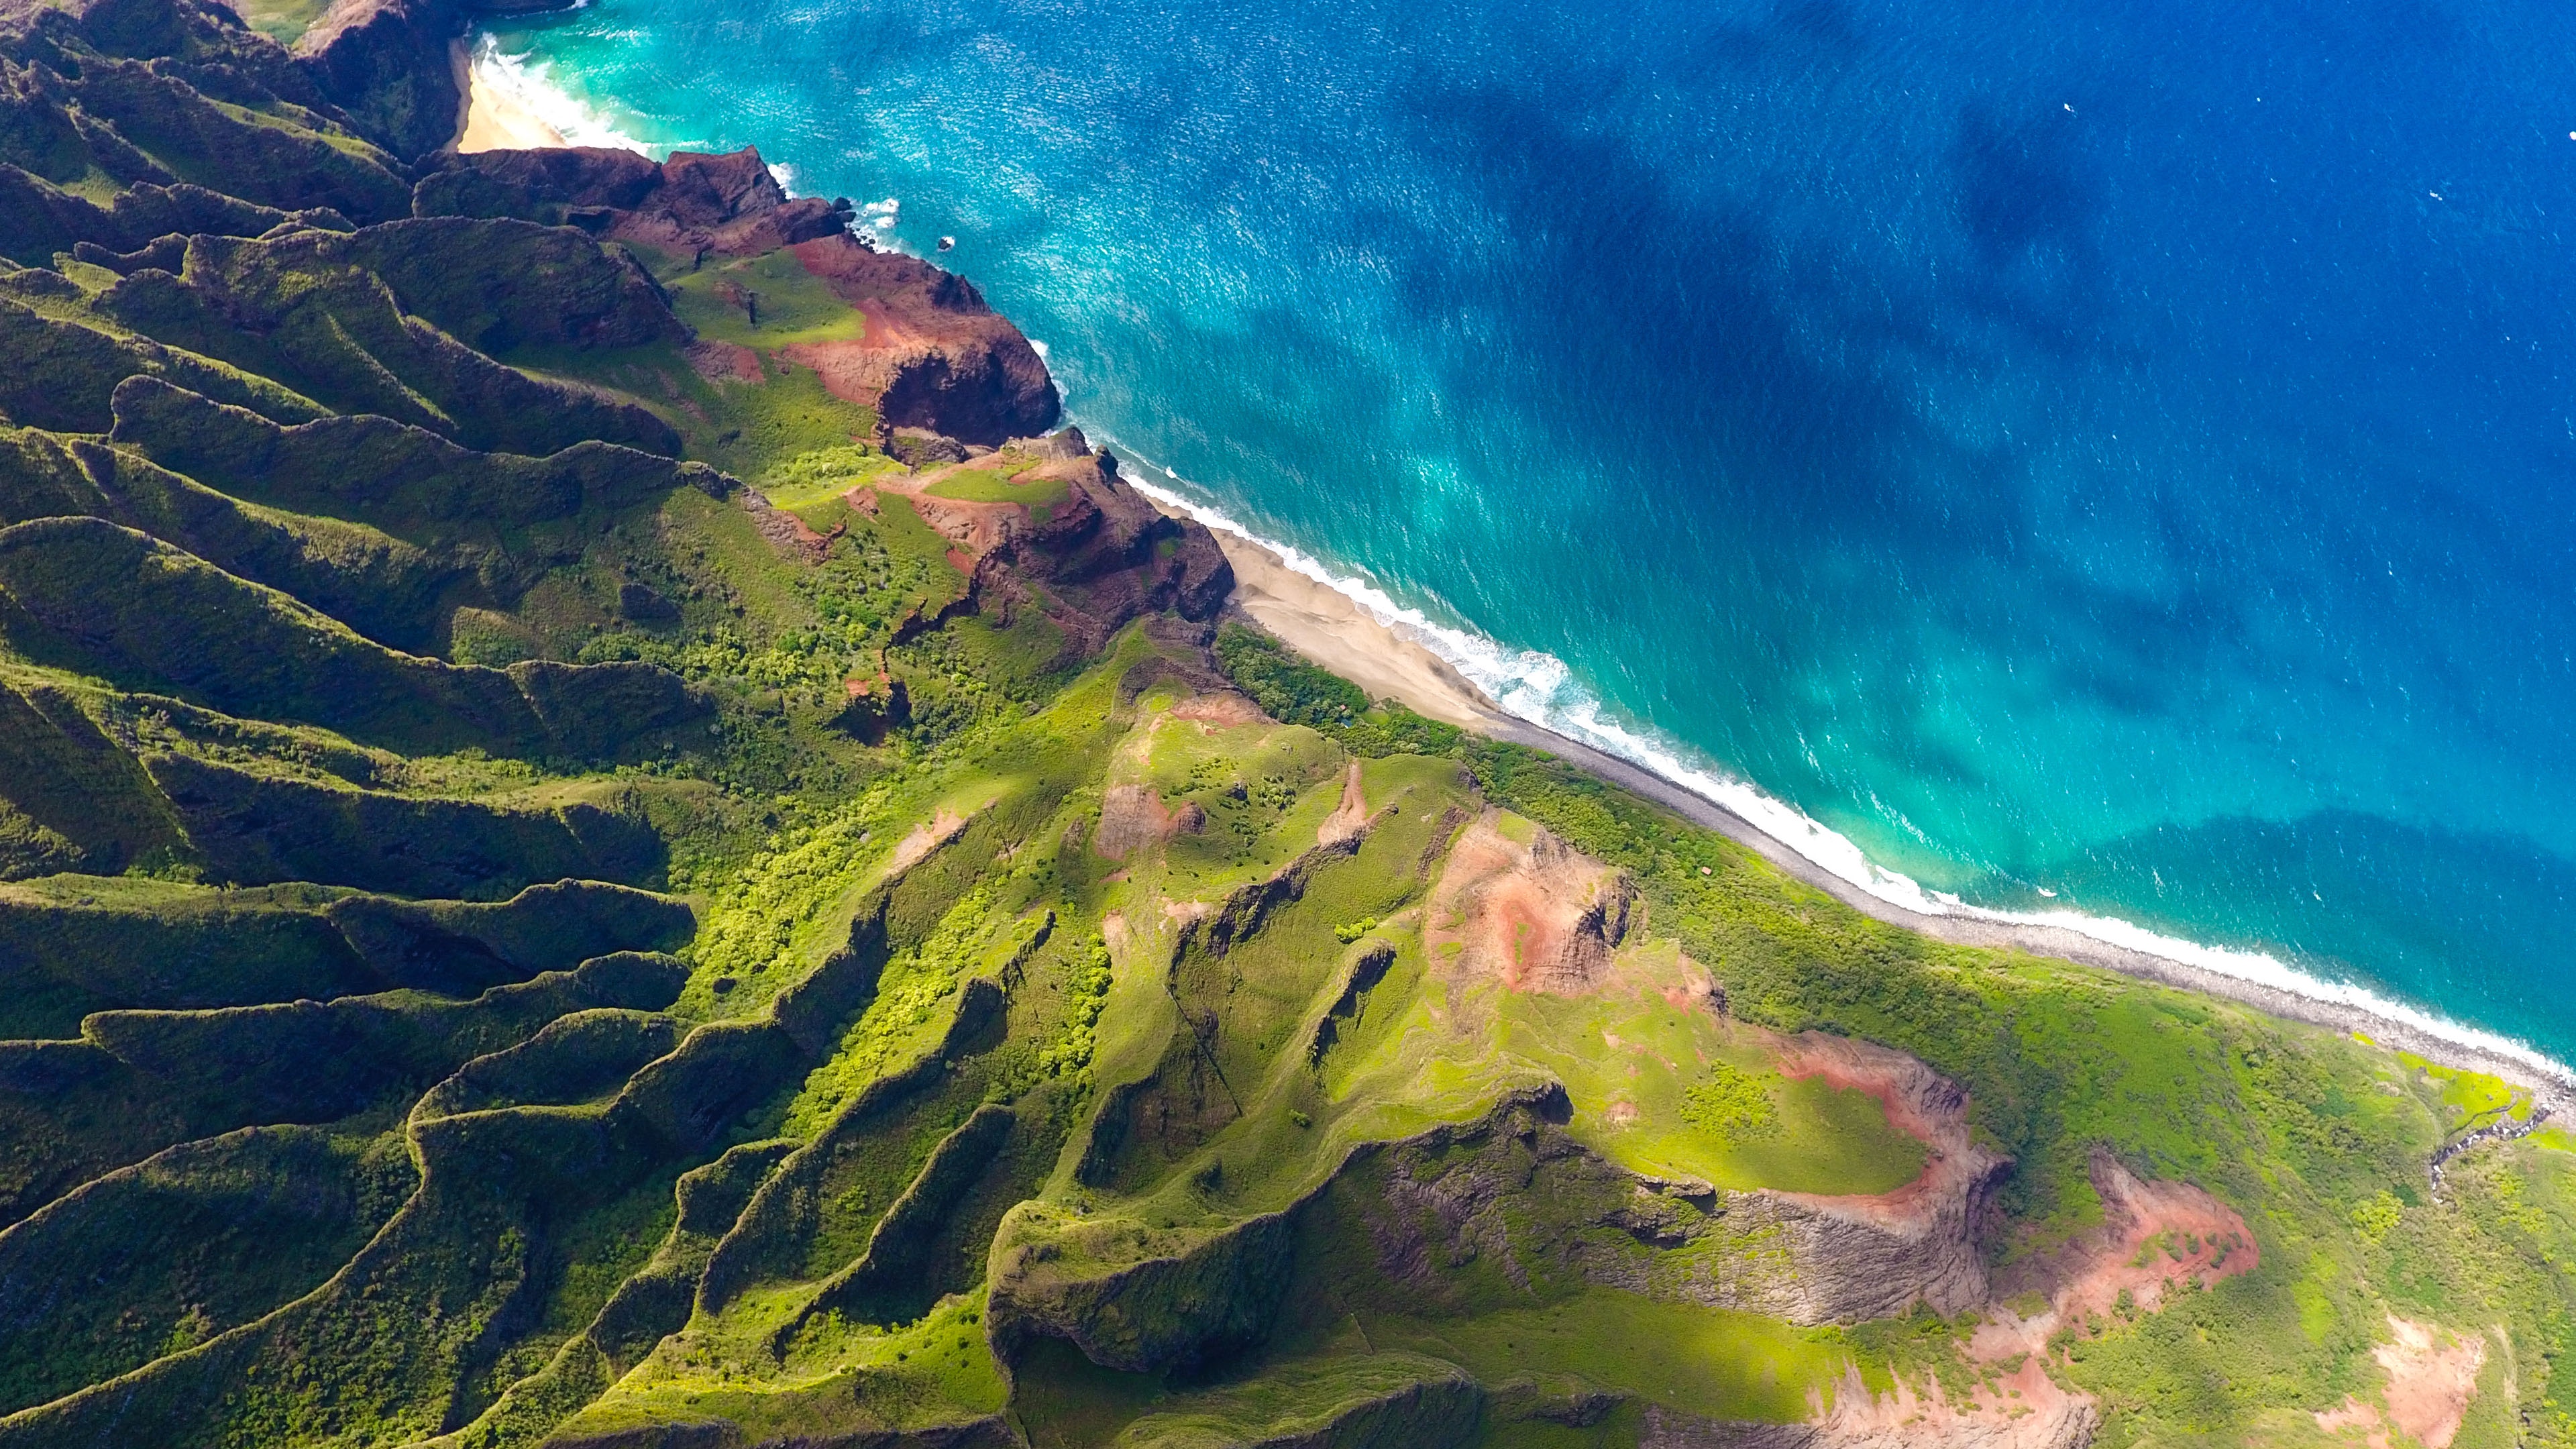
(2118, 450)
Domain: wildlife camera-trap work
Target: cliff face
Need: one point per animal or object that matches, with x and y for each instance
(604, 839)
(934, 355)
(388, 65)
(930, 354)
(1099, 553)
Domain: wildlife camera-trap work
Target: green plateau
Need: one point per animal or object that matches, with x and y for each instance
(609, 838)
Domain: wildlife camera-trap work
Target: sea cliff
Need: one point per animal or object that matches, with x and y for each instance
(611, 836)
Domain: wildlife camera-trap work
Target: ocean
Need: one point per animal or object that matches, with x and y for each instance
(2111, 460)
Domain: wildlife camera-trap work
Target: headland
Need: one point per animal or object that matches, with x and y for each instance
(611, 837)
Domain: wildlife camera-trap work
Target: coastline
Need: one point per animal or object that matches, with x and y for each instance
(495, 118)
(1332, 629)
(1321, 619)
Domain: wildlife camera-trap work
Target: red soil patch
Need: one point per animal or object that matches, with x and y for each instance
(931, 354)
(1132, 818)
(1351, 816)
(851, 371)
(975, 527)
(1537, 917)
(2430, 1384)
(2154, 1235)
(1218, 711)
(1919, 1102)
(907, 302)
(725, 362)
(2025, 1409)
(786, 532)
(926, 837)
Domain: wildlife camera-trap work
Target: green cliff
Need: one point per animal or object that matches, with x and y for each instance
(563, 882)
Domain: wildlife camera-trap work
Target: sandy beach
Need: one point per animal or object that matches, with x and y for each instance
(495, 120)
(1329, 628)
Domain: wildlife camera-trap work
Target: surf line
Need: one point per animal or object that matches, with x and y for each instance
(528, 83)
(523, 83)
(1539, 688)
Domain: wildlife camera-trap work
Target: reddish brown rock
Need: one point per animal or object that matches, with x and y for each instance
(1537, 915)
(388, 65)
(1103, 556)
(934, 355)
(728, 204)
(541, 186)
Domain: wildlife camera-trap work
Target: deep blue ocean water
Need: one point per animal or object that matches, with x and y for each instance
(2124, 448)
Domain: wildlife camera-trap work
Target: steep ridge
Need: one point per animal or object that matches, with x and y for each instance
(605, 840)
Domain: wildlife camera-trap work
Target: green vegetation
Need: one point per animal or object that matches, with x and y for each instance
(1703, 1361)
(1003, 478)
(768, 301)
(1732, 1105)
(1297, 692)
(507, 938)
(824, 474)
(744, 427)
(284, 21)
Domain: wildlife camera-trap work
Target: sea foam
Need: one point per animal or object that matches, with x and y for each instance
(530, 82)
(1539, 688)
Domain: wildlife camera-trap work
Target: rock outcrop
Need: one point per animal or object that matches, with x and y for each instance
(391, 65)
(1134, 1298)
(1863, 1257)
(933, 355)
(1379, 1401)
(2047, 1417)
(1807, 1259)
(1101, 557)
(1534, 913)
(691, 203)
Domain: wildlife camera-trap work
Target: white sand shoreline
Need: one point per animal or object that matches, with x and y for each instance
(1328, 627)
(494, 119)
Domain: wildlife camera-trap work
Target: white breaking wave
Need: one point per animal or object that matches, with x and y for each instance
(1538, 687)
(530, 82)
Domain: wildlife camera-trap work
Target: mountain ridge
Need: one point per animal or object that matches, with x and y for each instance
(610, 839)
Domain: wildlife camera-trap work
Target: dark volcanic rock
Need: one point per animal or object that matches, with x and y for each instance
(934, 357)
(1104, 556)
(498, 284)
(390, 67)
(692, 202)
(539, 186)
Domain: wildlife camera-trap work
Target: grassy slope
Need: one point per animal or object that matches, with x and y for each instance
(926, 1033)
